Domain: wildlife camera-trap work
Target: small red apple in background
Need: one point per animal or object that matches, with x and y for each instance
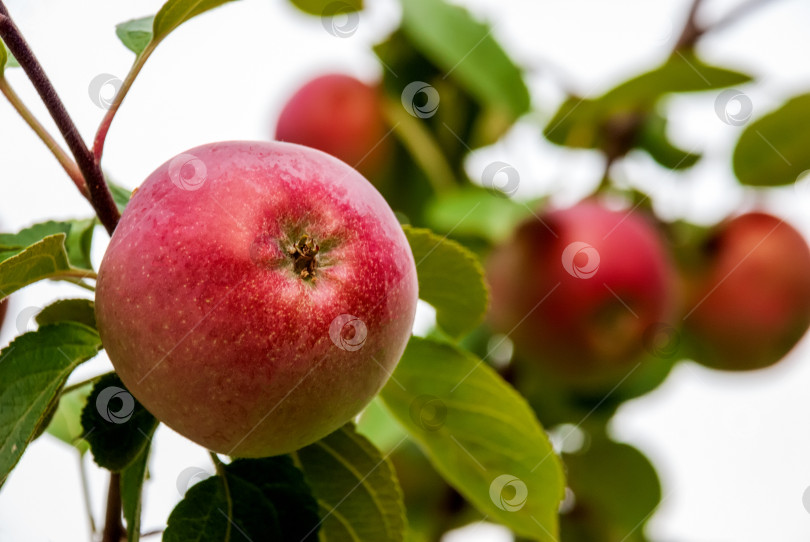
(256, 296)
(577, 289)
(341, 116)
(751, 304)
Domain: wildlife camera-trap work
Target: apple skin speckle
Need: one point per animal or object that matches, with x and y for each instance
(209, 325)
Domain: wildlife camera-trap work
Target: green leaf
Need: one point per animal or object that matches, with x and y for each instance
(653, 139)
(680, 73)
(7, 60)
(17, 241)
(68, 310)
(356, 488)
(176, 12)
(474, 211)
(284, 486)
(202, 516)
(580, 122)
(42, 260)
(79, 242)
(378, 426)
(322, 8)
(120, 195)
(66, 424)
(4, 56)
(117, 427)
(136, 34)
(772, 151)
(450, 278)
(33, 369)
(480, 434)
(79, 236)
(466, 50)
(271, 501)
(132, 478)
(614, 486)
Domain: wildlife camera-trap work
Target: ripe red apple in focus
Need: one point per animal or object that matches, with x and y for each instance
(577, 289)
(751, 304)
(256, 296)
(339, 115)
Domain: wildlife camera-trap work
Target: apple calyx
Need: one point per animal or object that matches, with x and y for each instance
(304, 255)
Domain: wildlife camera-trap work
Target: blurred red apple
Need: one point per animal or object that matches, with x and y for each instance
(339, 115)
(256, 296)
(577, 290)
(751, 303)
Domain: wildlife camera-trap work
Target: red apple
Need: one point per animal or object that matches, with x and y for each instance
(256, 296)
(339, 115)
(576, 289)
(751, 303)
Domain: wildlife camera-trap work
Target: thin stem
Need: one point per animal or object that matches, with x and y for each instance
(691, 31)
(113, 526)
(220, 466)
(64, 160)
(77, 385)
(86, 496)
(74, 274)
(80, 284)
(422, 147)
(100, 196)
(104, 127)
(604, 184)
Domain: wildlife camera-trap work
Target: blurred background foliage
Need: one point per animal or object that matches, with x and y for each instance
(469, 94)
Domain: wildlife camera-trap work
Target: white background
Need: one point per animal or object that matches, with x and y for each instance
(733, 451)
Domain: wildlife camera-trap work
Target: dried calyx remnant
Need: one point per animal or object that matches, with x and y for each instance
(303, 254)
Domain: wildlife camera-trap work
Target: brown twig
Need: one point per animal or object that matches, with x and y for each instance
(113, 526)
(692, 31)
